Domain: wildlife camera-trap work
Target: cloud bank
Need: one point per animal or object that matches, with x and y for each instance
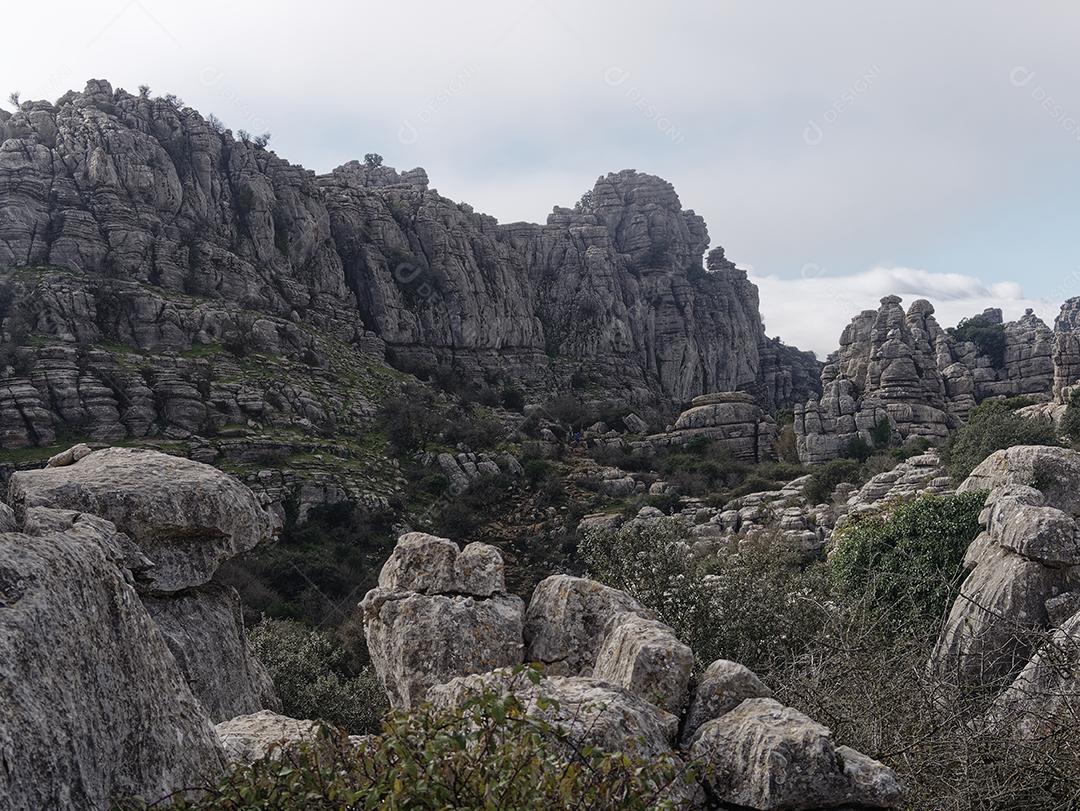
(810, 311)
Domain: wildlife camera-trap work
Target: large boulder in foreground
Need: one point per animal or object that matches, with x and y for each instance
(590, 711)
(721, 688)
(92, 705)
(567, 619)
(204, 629)
(764, 755)
(440, 612)
(646, 658)
(186, 517)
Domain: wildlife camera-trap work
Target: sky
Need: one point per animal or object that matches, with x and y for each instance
(839, 152)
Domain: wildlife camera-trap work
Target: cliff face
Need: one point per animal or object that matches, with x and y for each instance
(134, 224)
(904, 368)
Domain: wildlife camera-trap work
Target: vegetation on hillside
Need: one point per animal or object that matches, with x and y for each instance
(987, 335)
(992, 426)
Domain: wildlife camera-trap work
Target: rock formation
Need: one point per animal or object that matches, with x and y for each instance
(904, 369)
(440, 612)
(1067, 348)
(120, 650)
(730, 419)
(1022, 579)
(140, 239)
(179, 521)
(614, 678)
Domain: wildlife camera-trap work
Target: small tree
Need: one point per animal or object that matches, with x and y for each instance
(373, 159)
(14, 97)
(144, 91)
(244, 136)
(262, 140)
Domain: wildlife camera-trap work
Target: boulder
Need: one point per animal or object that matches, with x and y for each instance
(439, 613)
(186, 517)
(247, 738)
(645, 657)
(720, 689)
(763, 755)
(204, 629)
(93, 705)
(591, 711)
(566, 620)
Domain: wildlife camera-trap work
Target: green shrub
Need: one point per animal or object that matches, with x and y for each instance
(819, 488)
(310, 673)
(858, 449)
(1070, 422)
(757, 608)
(881, 433)
(906, 563)
(488, 755)
(992, 426)
(536, 470)
(513, 398)
(987, 335)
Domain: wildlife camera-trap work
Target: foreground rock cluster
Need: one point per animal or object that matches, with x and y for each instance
(120, 648)
(613, 677)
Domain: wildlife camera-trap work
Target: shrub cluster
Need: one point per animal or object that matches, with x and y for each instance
(488, 755)
(310, 673)
(992, 426)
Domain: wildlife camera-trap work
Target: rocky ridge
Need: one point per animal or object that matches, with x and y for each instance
(140, 238)
(904, 370)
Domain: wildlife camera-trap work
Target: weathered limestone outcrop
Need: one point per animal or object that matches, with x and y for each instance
(1027, 556)
(592, 711)
(1066, 348)
(440, 612)
(613, 678)
(645, 657)
(765, 755)
(93, 707)
(186, 517)
(204, 629)
(566, 620)
(153, 227)
(180, 520)
(906, 369)
(731, 419)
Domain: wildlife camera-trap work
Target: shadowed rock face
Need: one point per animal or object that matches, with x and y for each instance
(163, 232)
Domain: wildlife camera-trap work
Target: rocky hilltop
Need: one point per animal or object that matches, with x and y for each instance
(139, 238)
(905, 373)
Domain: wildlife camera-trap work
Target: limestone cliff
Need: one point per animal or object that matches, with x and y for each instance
(138, 237)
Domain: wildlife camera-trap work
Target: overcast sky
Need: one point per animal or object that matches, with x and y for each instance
(839, 151)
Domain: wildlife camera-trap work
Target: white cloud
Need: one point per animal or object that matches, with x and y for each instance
(810, 312)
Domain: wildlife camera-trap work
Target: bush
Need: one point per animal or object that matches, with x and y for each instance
(987, 335)
(758, 608)
(1070, 422)
(907, 563)
(992, 426)
(823, 481)
(310, 674)
(488, 755)
(858, 449)
(513, 398)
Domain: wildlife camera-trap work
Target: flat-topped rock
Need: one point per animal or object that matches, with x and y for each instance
(185, 517)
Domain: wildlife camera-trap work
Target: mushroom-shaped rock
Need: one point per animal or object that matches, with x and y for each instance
(722, 687)
(92, 704)
(186, 517)
(764, 755)
(590, 711)
(439, 613)
(646, 658)
(566, 620)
